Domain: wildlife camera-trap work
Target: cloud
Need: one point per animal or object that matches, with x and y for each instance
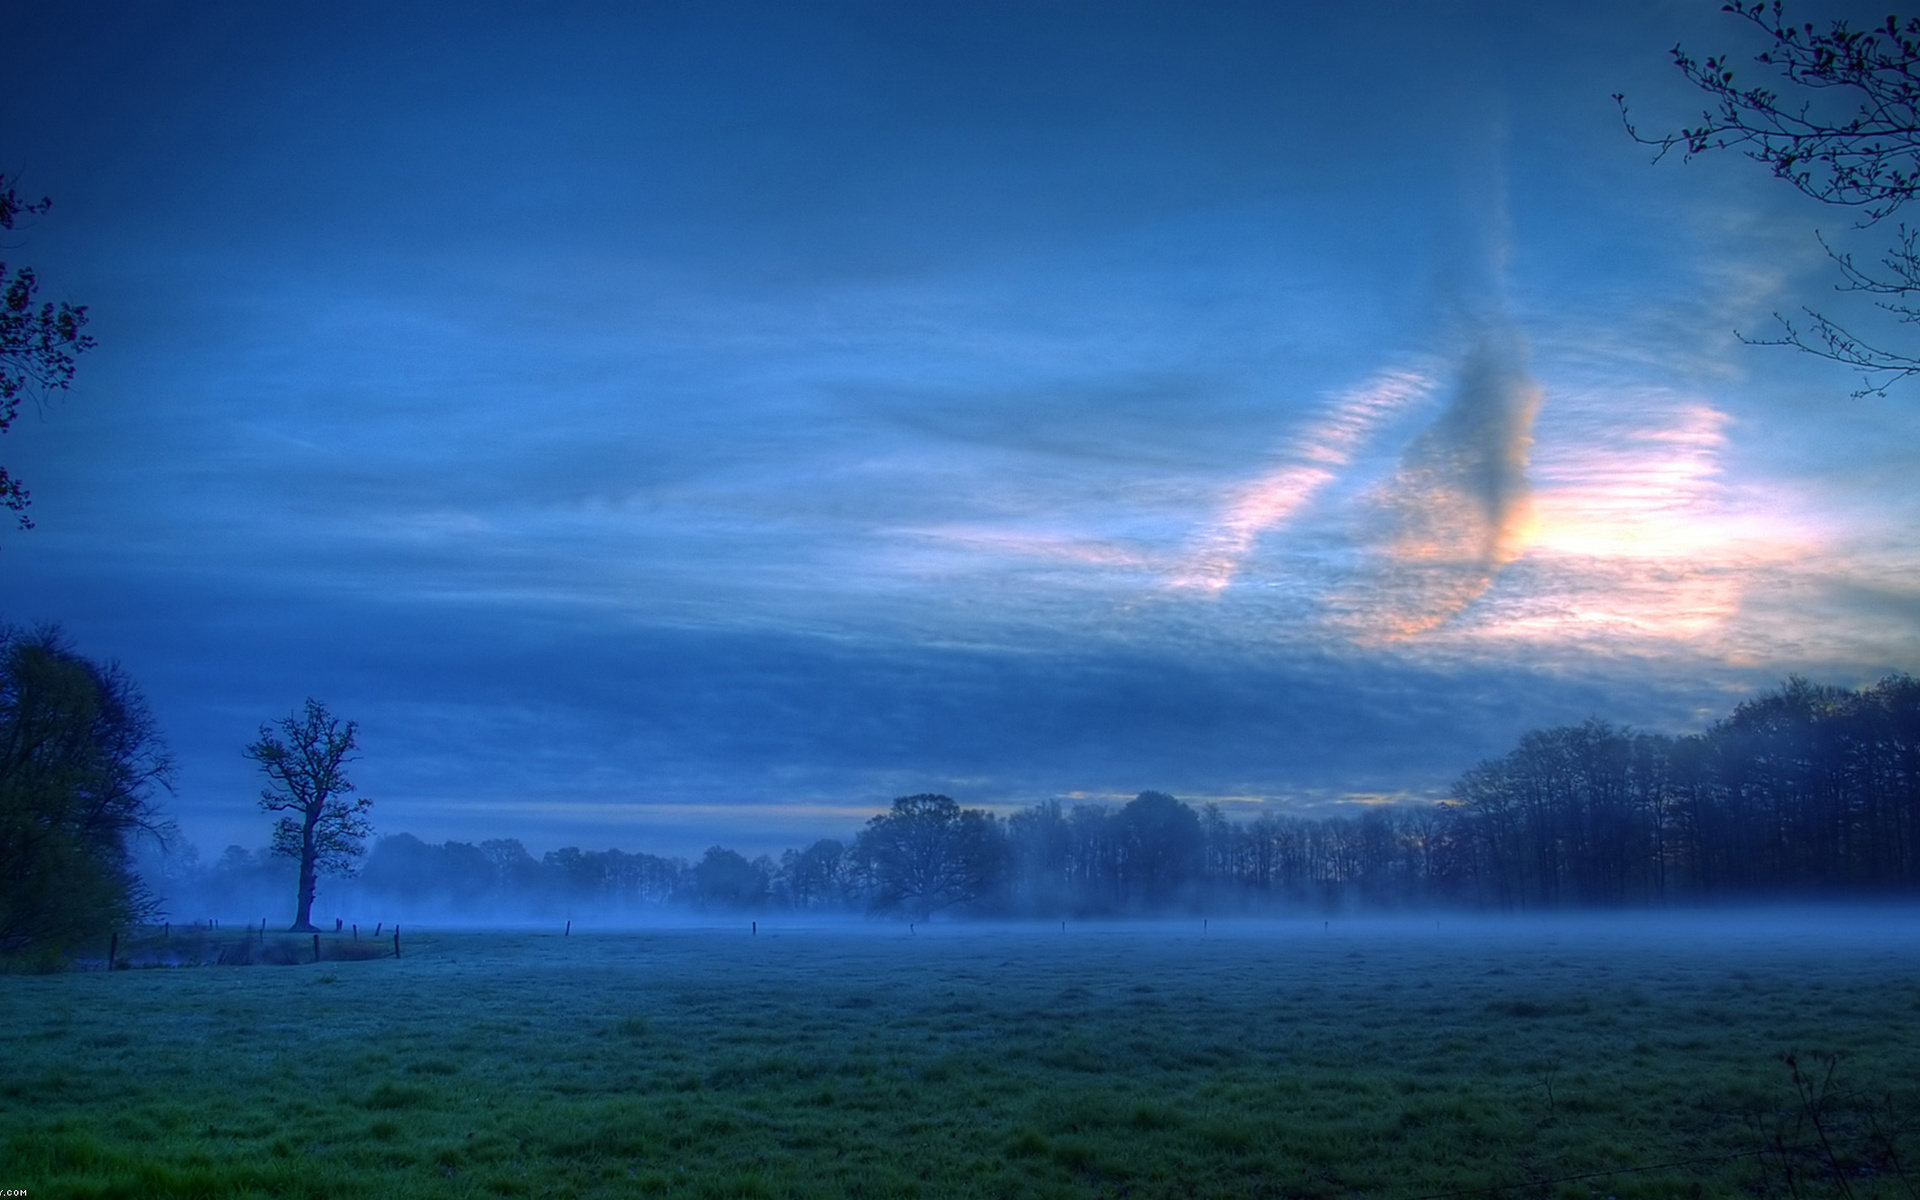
(1314, 461)
(1455, 512)
(1636, 543)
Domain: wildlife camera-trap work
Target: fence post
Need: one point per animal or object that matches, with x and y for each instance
(316, 947)
(396, 941)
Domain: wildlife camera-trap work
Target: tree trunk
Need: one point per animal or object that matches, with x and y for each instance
(303, 917)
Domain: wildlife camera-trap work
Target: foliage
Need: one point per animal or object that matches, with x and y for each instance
(37, 344)
(605, 877)
(817, 876)
(724, 879)
(305, 764)
(929, 854)
(80, 764)
(1160, 845)
(1849, 135)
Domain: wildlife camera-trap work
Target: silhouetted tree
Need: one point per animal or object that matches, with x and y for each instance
(1846, 133)
(305, 763)
(928, 854)
(581, 875)
(402, 865)
(815, 877)
(37, 343)
(1040, 857)
(457, 873)
(1161, 848)
(514, 870)
(1805, 789)
(1093, 863)
(724, 879)
(80, 764)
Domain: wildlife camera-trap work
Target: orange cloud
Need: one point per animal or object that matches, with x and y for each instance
(1633, 536)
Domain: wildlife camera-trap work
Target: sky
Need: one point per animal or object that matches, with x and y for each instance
(670, 424)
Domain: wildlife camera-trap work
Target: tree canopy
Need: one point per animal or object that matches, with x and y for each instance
(304, 756)
(81, 767)
(928, 853)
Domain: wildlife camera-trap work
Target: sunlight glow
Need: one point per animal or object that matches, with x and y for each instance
(1634, 536)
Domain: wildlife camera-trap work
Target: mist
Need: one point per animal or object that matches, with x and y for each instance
(1581, 818)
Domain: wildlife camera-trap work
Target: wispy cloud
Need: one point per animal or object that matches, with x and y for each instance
(1633, 539)
(1308, 466)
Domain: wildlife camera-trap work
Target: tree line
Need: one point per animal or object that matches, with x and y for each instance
(1805, 791)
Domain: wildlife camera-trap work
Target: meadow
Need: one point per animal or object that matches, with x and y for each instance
(1627, 1057)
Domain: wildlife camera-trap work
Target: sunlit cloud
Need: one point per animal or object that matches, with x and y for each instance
(1644, 492)
(1456, 511)
(1634, 537)
(1309, 465)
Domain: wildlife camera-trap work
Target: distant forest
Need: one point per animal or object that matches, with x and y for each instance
(1806, 791)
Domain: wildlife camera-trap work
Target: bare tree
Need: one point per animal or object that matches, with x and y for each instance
(37, 344)
(306, 764)
(1848, 134)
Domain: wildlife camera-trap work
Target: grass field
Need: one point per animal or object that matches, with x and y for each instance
(1411, 1059)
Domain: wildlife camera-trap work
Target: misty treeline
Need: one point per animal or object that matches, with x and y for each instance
(1805, 791)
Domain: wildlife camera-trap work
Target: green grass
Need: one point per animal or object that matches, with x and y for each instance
(1289, 1060)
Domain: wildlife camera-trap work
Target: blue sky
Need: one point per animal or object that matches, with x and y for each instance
(668, 424)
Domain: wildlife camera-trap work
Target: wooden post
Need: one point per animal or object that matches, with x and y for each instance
(356, 931)
(113, 950)
(378, 927)
(396, 941)
(263, 931)
(169, 931)
(569, 930)
(316, 947)
(756, 929)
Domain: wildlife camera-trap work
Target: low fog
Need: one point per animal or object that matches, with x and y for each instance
(1787, 799)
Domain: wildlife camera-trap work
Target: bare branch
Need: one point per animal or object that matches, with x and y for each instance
(1852, 140)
